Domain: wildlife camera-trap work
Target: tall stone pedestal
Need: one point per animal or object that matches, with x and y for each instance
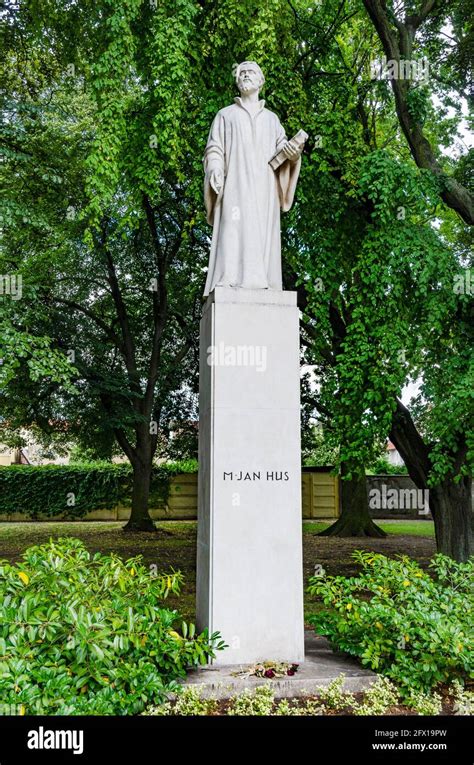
(249, 560)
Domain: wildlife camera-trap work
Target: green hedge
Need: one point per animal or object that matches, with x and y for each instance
(75, 490)
(91, 634)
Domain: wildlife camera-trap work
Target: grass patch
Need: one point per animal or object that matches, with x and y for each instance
(404, 528)
(416, 528)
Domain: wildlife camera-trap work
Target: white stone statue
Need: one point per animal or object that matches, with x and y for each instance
(243, 194)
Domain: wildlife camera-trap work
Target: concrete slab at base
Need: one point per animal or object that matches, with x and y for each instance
(320, 667)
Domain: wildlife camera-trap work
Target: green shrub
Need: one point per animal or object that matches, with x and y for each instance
(383, 467)
(377, 700)
(189, 703)
(333, 696)
(83, 634)
(381, 695)
(290, 708)
(75, 490)
(257, 702)
(424, 703)
(400, 621)
(463, 699)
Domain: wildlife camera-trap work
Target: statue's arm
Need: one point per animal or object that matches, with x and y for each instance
(214, 164)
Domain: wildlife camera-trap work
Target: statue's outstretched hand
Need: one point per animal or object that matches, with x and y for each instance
(291, 151)
(217, 180)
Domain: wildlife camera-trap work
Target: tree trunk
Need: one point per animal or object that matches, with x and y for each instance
(139, 517)
(450, 502)
(355, 520)
(451, 507)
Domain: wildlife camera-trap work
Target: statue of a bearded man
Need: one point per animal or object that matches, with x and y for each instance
(243, 193)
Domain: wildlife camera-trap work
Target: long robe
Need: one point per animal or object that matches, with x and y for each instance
(245, 215)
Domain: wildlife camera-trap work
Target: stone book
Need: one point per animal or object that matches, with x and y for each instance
(299, 139)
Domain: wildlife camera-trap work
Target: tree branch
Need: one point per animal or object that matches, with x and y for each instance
(454, 194)
(100, 322)
(410, 445)
(125, 444)
(128, 346)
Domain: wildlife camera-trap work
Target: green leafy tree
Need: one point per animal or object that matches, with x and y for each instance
(409, 31)
(376, 257)
(108, 110)
(100, 223)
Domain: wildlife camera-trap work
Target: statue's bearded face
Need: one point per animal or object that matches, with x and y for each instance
(249, 79)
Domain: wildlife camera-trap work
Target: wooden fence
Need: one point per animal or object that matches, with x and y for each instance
(319, 491)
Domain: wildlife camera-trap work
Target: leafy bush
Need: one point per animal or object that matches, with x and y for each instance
(257, 702)
(424, 703)
(463, 699)
(383, 467)
(82, 634)
(382, 695)
(189, 703)
(75, 490)
(333, 696)
(400, 621)
(261, 701)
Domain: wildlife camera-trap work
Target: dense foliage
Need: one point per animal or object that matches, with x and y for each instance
(83, 634)
(384, 467)
(75, 490)
(106, 114)
(399, 620)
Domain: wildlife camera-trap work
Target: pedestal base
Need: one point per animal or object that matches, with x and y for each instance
(249, 564)
(321, 666)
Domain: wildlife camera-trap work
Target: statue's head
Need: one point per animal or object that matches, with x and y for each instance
(249, 77)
